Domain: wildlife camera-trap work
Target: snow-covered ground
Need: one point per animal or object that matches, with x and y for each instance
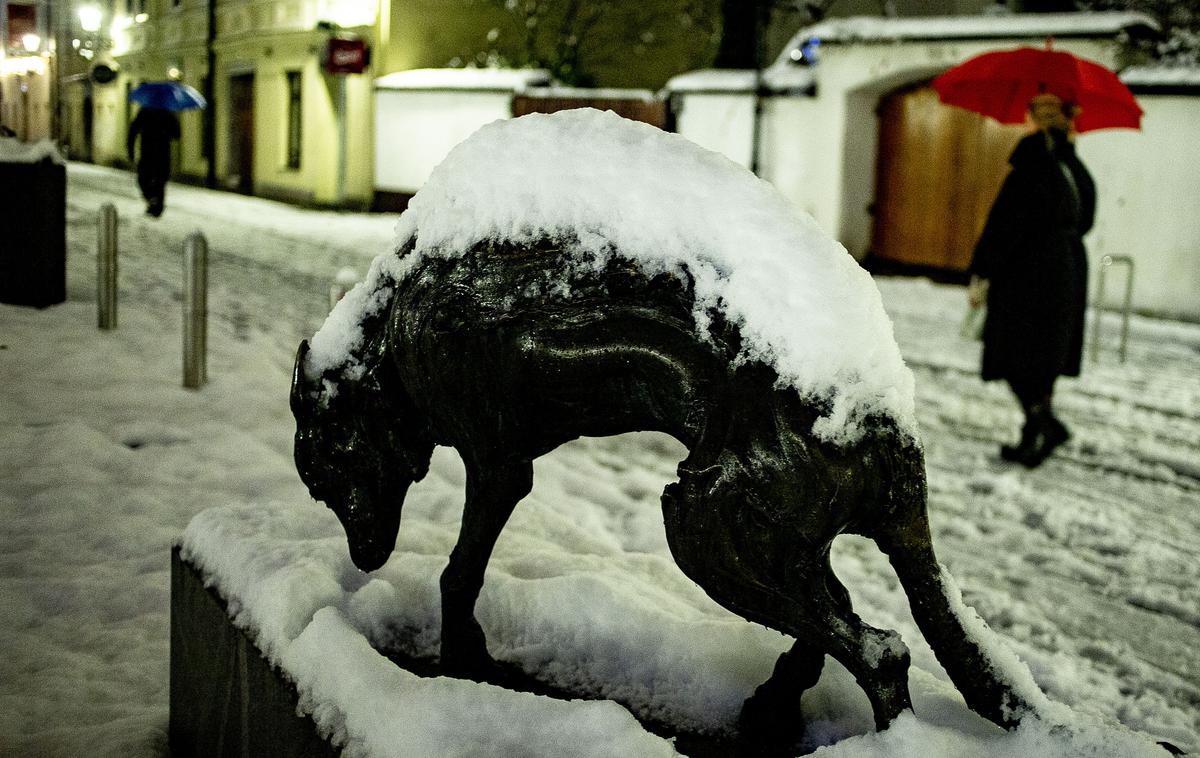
(1088, 567)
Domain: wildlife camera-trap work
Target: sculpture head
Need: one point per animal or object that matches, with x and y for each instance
(358, 450)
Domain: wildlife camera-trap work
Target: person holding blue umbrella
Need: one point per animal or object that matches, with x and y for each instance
(156, 124)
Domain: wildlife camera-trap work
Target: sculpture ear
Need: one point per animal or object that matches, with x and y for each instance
(299, 383)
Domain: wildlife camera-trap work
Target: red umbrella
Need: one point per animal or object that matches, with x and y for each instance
(1000, 84)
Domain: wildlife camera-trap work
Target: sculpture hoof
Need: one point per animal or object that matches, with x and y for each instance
(464, 655)
(769, 728)
(476, 668)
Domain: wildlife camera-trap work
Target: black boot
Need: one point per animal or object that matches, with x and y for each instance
(1039, 438)
(1053, 434)
(1031, 439)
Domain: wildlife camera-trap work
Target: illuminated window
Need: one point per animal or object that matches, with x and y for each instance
(22, 21)
(294, 120)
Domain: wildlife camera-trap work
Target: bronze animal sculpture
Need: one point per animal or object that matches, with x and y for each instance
(476, 352)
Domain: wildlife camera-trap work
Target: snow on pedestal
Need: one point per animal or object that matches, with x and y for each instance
(568, 604)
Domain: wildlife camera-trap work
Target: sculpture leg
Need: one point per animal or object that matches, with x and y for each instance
(769, 724)
(492, 494)
(773, 712)
(967, 661)
(877, 658)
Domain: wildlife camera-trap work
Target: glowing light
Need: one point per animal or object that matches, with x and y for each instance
(141, 18)
(23, 65)
(90, 18)
(351, 13)
(31, 42)
(174, 73)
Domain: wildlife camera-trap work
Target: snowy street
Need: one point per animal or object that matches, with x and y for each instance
(1088, 567)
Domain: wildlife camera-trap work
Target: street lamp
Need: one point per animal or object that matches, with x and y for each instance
(90, 18)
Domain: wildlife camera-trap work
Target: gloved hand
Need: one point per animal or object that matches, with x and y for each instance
(977, 291)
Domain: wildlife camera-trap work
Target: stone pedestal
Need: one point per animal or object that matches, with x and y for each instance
(33, 243)
(226, 698)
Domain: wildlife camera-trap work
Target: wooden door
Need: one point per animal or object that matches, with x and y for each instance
(241, 133)
(653, 112)
(89, 123)
(938, 171)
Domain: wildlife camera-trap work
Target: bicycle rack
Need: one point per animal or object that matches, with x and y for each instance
(1106, 263)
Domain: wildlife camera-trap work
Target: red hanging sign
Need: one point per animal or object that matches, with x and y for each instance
(346, 55)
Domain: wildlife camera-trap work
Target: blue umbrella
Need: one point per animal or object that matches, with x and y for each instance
(171, 96)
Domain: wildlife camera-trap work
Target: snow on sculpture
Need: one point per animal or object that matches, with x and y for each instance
(582, 275)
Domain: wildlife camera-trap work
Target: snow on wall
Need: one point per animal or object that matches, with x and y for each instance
(1007, 25)
(497, 79)
(415, 129)
(607, 184)
(1161, 76)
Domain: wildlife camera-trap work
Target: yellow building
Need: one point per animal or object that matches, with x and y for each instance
(282, 125)
(26, 70)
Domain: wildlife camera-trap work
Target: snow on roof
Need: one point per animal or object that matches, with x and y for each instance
(1012, 25)
(712, 80)
(16, 151)
(464, 79)
(604, 183)
(1162, 76)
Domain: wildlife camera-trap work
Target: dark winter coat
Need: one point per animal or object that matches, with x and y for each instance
(156, 127)
(1031, 251)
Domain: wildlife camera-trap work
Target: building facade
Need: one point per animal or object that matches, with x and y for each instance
(281, 124)
(26, 70)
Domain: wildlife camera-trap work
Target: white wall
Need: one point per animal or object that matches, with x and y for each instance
(415, 129)
(797, 158)
(1148, 205)
(822, 150)
(722, 122)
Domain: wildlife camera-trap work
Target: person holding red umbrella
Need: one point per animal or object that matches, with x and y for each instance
(1031, 267)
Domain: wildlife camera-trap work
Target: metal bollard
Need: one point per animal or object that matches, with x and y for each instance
(1106, 263)
(106, 268)
(195, 311)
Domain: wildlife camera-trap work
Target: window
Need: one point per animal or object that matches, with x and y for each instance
(22, 20)
(294, 122)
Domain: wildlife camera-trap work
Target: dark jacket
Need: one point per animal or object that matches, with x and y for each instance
(156, 127)
(1031, 251)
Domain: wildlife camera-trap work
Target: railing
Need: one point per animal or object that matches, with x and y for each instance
(1106, 263)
